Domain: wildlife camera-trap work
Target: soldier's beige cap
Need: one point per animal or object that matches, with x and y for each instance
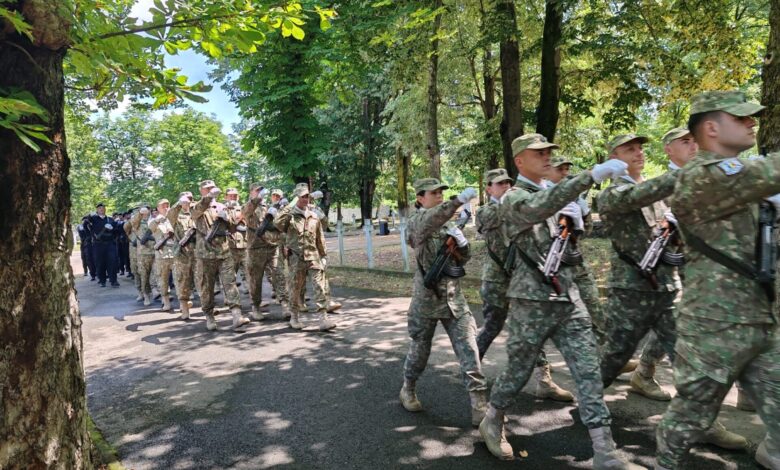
(732, 102)
(623, 139)
(186, 193)
(496, 175)
(301, 189)
(674, 134)
(531, 141)
(255, 186)
(231, 191)
(163, 201)
(207, 184)
(277, 192)
(428, 184)
(558, 161)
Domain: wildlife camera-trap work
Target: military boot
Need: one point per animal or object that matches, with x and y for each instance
(630, 366)
(333, 306)
(492, 431)
(140, 298)
(768, 454)
(295, 320)
(286, 310)
(408, 397)
(239, 319)
(605, 453)
(166, 304)
(478, 400)
(256, 314)
(717, 435)
(147, 300)
(546, 388)
(185, 310)
(211, 323)
(643, 383)
(743, 402)
(325, 322)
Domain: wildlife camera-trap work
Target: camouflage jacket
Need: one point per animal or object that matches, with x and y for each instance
(140, 228)
(205, 214)
(128, 228)
(181, 222)
(716, 199)
(160, 227)
(496, 242)
(304, 233)
(426, 232)
(528, 214)
(254, 212)
(238, 235)
(631, 213)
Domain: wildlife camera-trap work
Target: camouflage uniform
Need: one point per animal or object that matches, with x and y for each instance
(262, 254)
(145, 252)
(164, 257)
(237, 239)
(726, 328)
(630, 213)
(128, 228)
(184, 262)
(427, 230)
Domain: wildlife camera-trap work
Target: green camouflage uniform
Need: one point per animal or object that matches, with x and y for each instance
(164, 257)
(726, 329)
(427, 231)
(536, 313)
(144, 252)
(262, 254)
(213, 259)
(630, 213)
(184, 262)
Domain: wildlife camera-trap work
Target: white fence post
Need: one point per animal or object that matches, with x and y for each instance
(367, 228)
(404, 249)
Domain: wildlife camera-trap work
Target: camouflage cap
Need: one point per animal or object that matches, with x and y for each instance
(255, 186)
(732, 102)
(207, 184)
(231, 191)
(277, 192)
(428, 184)
(558, 161)
(674, 134)
(531, 141)
(301, 189)
(623, 139)
(163, 201)
(185, 193)
(496, 176)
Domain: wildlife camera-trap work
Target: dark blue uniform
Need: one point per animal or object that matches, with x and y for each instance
(87, 260)
(123, 248)
(104, 234)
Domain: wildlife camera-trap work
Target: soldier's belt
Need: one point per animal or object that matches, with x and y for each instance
(573, 258)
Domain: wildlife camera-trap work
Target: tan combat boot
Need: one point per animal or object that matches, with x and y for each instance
(605, 453)
(325, 322)
(185, 310)
(630, 366)
(140, 297)
(166, 304)
(719, 436)
(147, 300)
(478, 400)
(333, 306)
(239, 319)
(295, 320)
(643, 383)
(743, 402)
(408, 397)
(256, 314)
(546, 388)
(211, 323)
(492, 431)
(286, 310)
(768, 454)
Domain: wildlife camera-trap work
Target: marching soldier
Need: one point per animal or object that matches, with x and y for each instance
(442, 300)
(213, 257)
(546, 304)
(237, 237)
(133, 255)
(726, 328)
(278, 200)
(180, 218)
(495, 281)
(333, 306)
(144, 251)
(164, 251)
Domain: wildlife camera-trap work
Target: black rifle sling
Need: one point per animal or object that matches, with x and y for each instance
(719, 257)
(497, 260)
(531, 264)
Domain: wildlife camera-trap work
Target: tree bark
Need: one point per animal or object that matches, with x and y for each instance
(549, 95)
(402, 172)
(489, 109)
(432, 110)
(43, 413)
(367, 187)
(769, 132)
(512, 122)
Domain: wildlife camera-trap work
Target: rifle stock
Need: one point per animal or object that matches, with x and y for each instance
(161, 243)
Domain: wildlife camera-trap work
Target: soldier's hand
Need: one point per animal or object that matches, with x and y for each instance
(214, 193)
(284, 202)
(109, 227)
(572, 210)
(457, 234)
(222, 215)
(610, 169)
(273, 211)
(324, 262)
(466, 195)
(670, 218)
(144, 211)
(263, 193)
(775, 200)
(184, 200)
(316, 195)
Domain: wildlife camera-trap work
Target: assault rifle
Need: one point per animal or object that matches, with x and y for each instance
(654, 254)
(266, 221)
(214, 229)
(189, 235)
(147, 237)
(443, 263)
(552, 262)
(767, 248)
(158, 246)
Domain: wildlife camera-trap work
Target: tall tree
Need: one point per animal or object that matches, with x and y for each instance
(550, 93)
(512, 122)
(769, 132)
(432, 96)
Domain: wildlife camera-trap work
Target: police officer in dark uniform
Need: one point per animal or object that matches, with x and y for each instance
(122, 245)
(104, 233)
(86, 248)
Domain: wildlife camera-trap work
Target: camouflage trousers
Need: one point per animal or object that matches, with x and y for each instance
(632, 314)
(183, 272)
(134, 269)
(299, 270)
(145, 264)
(711, 356)
(239, 262)
(589, 294)
(654, 351)
(164, 268)
(209, 270)
(495, 306)
(530, 323)
(260, 261)
(462, 332)
(281, 272)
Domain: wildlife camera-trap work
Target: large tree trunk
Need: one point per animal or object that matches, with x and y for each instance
(489, 109)
(769, 132)
(512, 123)
(43, 411)
(402, 171)
(549, 95)
(432, 110)
(367, 187)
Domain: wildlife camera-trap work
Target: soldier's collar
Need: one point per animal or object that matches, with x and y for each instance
(629, 179)
(673, 166)
(523, 181)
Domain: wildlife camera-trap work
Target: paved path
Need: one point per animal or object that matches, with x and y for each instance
(169, 395)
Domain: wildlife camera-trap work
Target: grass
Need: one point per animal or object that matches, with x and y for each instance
(104, 455)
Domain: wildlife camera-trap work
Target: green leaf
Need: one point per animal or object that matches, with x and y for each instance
(298, 33)
(27, 140)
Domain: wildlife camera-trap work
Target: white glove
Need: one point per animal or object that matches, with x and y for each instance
(273, 211)
(144, 211)
(672, 219)
(584, 207)
(316, 195)
(466, 195)
(608, 170)
(456, 233)
(222, 215)
(494, 199)
(263, 193)
(109, 227)
(184, 200)
(573, 211)
(214, 193)
(324, 262)
(284, 202)
(775, 200)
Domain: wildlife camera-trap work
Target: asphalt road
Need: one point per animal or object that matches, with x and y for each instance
(169, 394)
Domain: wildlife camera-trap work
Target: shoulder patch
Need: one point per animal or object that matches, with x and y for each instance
(730, 167)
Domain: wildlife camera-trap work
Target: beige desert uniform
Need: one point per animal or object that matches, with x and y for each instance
(144, 252)
(184, 262)
(164, 256)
